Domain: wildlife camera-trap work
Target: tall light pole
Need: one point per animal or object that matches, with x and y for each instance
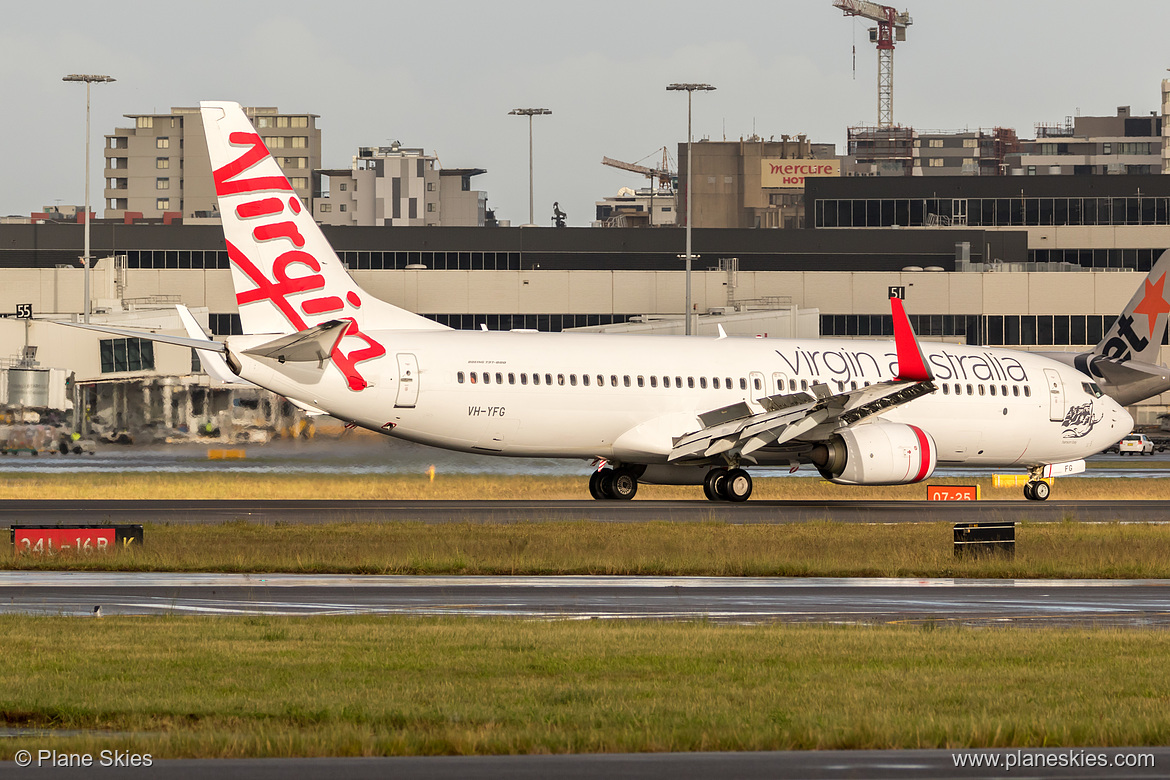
(689, 89)
(529, 112)
(88, 78)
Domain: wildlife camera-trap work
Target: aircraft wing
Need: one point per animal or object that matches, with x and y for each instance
(739, 430)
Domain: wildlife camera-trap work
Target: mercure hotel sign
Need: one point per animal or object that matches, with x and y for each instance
(792, 173)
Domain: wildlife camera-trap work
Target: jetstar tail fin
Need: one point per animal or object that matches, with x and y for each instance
(287, 277)
(1137, 334)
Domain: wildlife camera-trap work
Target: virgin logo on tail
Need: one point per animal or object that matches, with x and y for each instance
(274, 222)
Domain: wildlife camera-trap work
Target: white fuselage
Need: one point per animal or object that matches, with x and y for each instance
(626, 397)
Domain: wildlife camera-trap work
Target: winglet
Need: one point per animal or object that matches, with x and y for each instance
(911, 362)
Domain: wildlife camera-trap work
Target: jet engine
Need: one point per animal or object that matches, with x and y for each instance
(876, 454)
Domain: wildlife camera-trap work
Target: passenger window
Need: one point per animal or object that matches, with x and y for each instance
(499, 378)
(585, 379)
(1027, 391)
(459, 377)
(840, 387)
(792, 385)
(487, 378)
(601, 380)
(625, 380)
(548, 379)
(702, 383)
(524, 379)
(958, 389)
(511, 378)
(742, 383)
(992, 387)
(946, 389)
(561, 379)
(1016, 391)
(970, 390)
(691, 382)
(804, 384)
(666, 381)
(715, 382)
(613, 380)
(1003, 390)
(756, 383)
(730, 384)
(852, 385)
(536, 379)
(641, 381)
(678, 382)
(573, 380)
(473, 377)
(654, 381)
(980, 389)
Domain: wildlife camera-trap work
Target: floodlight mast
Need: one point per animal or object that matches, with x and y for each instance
(689, 89)
(89, 79)
(529, 112)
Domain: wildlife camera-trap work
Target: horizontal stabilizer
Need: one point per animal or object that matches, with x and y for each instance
(313, 345)
(209, 357)
(133, 333)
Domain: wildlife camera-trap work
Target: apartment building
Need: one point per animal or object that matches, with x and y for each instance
(1122, 144)
(159, 168)
(397, 186)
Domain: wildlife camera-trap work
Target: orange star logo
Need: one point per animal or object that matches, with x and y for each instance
(1154, 303)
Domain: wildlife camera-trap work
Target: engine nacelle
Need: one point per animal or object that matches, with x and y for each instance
(877, 454)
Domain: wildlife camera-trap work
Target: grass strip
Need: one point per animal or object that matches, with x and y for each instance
(241, 687)
(822, 549)
(232, 486)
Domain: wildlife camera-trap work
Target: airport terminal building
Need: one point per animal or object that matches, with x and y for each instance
(1030, 262)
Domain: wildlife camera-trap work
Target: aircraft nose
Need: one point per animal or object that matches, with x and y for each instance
(1123, 420)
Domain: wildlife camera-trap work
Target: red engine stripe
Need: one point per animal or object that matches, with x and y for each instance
(924, 452)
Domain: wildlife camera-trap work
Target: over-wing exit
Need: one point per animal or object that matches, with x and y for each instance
(646, 409)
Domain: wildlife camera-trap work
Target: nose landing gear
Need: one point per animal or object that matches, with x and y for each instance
(1037, 490)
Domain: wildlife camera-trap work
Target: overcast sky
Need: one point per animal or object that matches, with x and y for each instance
(443, 75)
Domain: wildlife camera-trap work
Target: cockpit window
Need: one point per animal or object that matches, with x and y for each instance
(1092, 389)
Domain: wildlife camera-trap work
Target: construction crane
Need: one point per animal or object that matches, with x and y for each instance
(664, 175)
(891, 27)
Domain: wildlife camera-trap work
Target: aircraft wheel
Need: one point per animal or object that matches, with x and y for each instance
(713, 484)
(1028, 491)
(605, 483)
(623, 485)
(737, 486)
(1040, 491)
(595, 484)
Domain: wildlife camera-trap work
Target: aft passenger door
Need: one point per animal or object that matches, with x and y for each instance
(407, 380)
(1055, 394)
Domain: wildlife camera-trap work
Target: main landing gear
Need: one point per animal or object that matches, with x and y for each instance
(727, 485)
(620, 483)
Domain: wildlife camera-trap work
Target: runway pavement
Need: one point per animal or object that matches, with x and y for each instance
(736, 599)
(74, 512)
(780, 765)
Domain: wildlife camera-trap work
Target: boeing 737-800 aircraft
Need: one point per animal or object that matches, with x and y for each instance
(655, 409)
